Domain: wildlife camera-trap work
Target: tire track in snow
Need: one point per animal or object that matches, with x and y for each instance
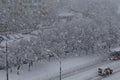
(100, 77)
(80, 70)
(97, 77)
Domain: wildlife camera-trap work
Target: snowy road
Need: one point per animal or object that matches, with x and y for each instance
(78, 70)
(116, 71)
(91, 73)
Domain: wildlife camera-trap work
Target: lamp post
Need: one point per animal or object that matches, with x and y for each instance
(60, 69)
(6, 51)
(60, 62)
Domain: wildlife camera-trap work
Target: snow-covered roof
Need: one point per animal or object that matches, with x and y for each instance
(13, 38)
(65, 14)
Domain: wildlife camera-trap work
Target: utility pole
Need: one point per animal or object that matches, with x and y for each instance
(60, 69)
(60, 63)
(7, 74)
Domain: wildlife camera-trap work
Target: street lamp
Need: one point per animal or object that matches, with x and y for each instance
(6, 58)
(60, 69)
(5, 47)
(7, 74)
(59, 59)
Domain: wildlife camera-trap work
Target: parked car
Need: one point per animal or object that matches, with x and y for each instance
(114, 55)
(2, 66)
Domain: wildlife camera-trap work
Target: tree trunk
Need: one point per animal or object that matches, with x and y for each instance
(18, 70)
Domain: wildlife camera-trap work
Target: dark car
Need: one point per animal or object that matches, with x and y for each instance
(115, 55)
(104, 71)
(2, 66)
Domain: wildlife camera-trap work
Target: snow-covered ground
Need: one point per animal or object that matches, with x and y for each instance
(73, 68)
(45, 70)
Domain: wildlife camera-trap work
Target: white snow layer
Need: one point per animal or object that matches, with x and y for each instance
(45, 70)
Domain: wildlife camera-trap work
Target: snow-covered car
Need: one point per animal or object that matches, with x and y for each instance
(104, 71)
(114, 55)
